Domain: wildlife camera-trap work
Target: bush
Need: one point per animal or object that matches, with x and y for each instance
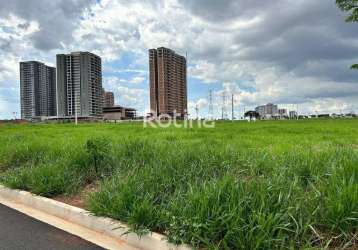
(99, 153)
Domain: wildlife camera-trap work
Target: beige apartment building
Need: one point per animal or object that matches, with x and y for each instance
(108, 98)
(168, 83)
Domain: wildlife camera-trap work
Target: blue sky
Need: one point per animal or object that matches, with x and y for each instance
(136, 76)
(287, 52)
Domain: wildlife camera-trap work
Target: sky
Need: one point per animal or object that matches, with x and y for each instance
(296, 54)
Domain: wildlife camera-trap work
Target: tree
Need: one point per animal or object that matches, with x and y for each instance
(350, 6)
(252, 114)
(354, 66)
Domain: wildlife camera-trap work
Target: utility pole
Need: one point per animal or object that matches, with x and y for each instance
(297, 112)
(223, 110)
(232, 107)
(197, 111)
(76, 118)
(211, 108)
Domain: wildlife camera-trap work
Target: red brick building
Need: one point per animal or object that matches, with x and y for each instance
(168, 83)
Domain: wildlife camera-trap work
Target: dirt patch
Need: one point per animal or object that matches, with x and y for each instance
(335, 242)
(79, 199)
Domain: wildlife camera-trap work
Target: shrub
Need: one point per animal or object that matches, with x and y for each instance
(98, 153)
(45, 180)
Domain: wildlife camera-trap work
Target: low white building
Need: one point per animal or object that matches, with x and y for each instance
(293, 114)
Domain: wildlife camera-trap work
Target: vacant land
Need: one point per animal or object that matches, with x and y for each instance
(264, 185)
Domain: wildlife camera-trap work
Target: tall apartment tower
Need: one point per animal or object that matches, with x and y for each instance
(168, 83)
(37, 90)
(108, 98)
(79, 85)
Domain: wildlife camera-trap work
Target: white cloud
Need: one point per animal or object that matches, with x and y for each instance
(199, 106)
(126, 96)
(261, 51)
(137, 80)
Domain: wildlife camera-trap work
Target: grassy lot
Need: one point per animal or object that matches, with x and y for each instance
(263, 185)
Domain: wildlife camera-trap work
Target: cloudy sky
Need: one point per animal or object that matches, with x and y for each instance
(293, 53)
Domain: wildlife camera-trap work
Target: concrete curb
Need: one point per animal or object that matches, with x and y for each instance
(105, 226)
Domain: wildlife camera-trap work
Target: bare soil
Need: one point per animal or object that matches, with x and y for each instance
(79, 199)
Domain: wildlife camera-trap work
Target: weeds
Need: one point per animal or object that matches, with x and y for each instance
(269, 185)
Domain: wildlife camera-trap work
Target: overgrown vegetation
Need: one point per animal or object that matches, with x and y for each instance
(264, 185)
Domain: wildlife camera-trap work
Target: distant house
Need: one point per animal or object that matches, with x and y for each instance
(116, 113)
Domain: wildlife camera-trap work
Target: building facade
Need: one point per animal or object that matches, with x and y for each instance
(116, 113)
(108, 98)
(271, 109)
(79, 85)
(267, 111)
(293, 114)
(37, 90)
(168, 83)
(282, 113)
(261, 110)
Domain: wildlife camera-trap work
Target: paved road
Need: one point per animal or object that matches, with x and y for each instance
(21, 232)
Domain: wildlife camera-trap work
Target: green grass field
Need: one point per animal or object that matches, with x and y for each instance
(263, 185)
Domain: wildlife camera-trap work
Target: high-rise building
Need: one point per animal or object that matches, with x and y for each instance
(79, 85)
(108, 98)
(271, 109)
(37, 90)
(267, 111)
(168, 83)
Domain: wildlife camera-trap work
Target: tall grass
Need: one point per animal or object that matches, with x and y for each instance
(268, 185)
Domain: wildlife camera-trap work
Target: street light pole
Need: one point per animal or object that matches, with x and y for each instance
(76, 118)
